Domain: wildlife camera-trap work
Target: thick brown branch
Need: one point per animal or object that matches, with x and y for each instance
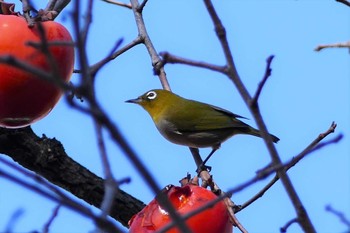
(51, 192)
(47, 158)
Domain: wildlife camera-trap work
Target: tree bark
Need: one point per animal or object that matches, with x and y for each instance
(47, 158)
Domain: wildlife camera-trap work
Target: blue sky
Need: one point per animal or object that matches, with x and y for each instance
(306, 92)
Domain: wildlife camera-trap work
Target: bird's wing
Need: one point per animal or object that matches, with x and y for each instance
(226, 112)
(208, 118)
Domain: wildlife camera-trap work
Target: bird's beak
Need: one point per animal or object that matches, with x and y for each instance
(134, 101)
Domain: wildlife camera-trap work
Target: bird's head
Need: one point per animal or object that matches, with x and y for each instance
(154, 101)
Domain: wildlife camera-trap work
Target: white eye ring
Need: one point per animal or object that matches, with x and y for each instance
(151, 95)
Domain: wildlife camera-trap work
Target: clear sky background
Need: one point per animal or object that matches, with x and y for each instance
(306, 92)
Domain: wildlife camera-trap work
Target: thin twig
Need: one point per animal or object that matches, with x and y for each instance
(288, 224)
(156, 60)
(114, 54)
(169, 58)
(14, 218)
(345, 2)
(142, 5)
(118, 3)
(110, 183)
(49, 222)
(340, 216)
(267, 74)
(336, 45)
(313, 146)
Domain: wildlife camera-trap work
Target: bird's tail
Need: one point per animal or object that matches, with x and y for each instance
(257, 133)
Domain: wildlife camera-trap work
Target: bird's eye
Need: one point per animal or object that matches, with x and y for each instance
(151, 95)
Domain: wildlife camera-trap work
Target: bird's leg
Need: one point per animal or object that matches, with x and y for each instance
(208, 157)
(198, 160)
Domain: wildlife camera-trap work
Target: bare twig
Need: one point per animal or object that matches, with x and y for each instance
(110, 184)
(288, 224)
(15, 216)
(340, 215)
(169, 58)
(49, 222)
(114, 54)
(142, 5)
(313, 146)
(118, 3)
(345, 2)
(156, 60)
(267, 74)
(336, 45)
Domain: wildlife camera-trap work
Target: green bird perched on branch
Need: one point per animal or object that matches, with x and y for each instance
(192, 123)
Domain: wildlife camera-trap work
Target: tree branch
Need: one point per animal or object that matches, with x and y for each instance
(336, 45)
(169, 58)
(340, 215)
(345, 2)
(313, 146)
(232, 73)
(118, 3)
(51, 192)
(288, 224)
(267, 74)
(97, 66)
(156, 60)
(47, 158)
(46, 228)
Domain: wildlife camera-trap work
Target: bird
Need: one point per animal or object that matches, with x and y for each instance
(192, 123)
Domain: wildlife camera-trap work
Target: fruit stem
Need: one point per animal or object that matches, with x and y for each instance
(26, 13)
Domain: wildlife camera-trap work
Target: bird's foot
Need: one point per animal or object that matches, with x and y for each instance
(203, 167)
